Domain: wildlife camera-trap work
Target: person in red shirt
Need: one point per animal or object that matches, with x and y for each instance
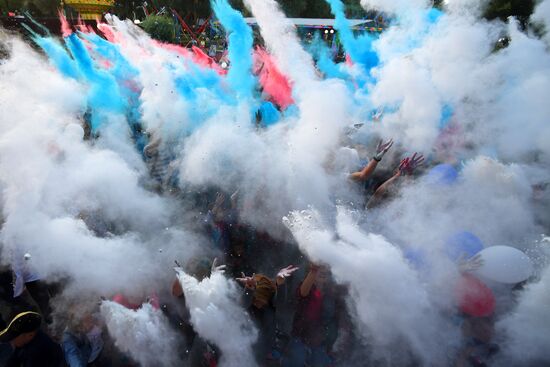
(316, 321)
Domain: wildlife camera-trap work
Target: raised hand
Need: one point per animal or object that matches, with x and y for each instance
(416, 161)
(469, 265)
(248, 282)
(409, 164)
(285, 273)
(403, 165)
(381, 149)
(217, 268)
(378, 114)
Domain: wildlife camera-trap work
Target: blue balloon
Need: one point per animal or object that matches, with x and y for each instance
(461, 243)
(443, 174)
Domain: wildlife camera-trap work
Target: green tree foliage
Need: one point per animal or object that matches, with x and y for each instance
(199, 8)
(159, 27)
(354, 9)
(502, 9)
(11, 5)
(293, 8)
(38, 8)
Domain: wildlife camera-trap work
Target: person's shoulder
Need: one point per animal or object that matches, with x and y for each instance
(45, 341)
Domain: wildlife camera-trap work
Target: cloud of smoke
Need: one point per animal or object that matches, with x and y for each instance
(83, 210)
(79, 210)
(382, 284)
(542, 15)
(217, 316)
(528, 326)
(144, 334)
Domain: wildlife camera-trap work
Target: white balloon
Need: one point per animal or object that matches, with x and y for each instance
(505, 264)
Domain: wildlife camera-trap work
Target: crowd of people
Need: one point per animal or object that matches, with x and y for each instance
(298, 308)
(161, 112)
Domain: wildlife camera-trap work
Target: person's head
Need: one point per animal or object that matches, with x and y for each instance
(238, 249)
(81, 314)
(21, 329)
(198, 267)
(265, 290)
(323, 275)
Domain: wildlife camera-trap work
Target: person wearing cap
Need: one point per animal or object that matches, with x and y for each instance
(31, 346)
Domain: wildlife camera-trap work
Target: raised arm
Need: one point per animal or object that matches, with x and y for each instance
(367, 171)
(382, 189)
(285, 273)
(308, 282)
(406, 167)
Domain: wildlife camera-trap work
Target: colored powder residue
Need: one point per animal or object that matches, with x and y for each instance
(104, 95)
(239, 76)
(58, 56)
(274, 83)
(201, 58)
(66, 30)
(360, 49)
(108, 32)
(268, 114)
